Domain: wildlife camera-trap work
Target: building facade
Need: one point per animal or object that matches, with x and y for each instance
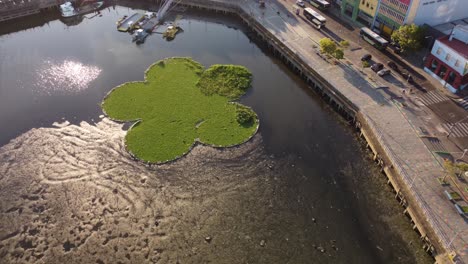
(362, 11)
(388, 15)
(448, 61)
(391, 14)
(436, 12)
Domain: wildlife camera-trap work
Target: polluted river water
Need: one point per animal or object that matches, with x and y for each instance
(302, 190)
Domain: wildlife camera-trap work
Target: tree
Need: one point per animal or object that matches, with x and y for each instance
(339, 54)
(344, 44)
(410, 37)
(327, 46)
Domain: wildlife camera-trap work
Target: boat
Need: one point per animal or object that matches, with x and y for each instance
(140, 36)
(145, 20)
(151, 24)
(129, 23)
(68, 10)
(119, 22)
(171, 31)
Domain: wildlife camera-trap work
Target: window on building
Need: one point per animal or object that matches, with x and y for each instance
(367, 5)
(443, 71)
(434, 65)
(457, 63)
(447, 58)
(439, 51)
(451, 77)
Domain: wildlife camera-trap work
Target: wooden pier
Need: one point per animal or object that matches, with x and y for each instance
(11, 9)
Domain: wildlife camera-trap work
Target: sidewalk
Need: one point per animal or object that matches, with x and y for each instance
(413, 161)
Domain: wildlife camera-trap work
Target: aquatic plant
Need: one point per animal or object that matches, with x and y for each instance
(180, 103)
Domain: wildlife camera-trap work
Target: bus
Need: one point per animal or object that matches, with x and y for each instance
(373, 38)
(320, 4)
(314, 17)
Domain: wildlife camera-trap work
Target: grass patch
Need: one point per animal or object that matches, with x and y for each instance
(230, 81)
(180, 103)
(455, 195)
(464, 208)
(442, 181)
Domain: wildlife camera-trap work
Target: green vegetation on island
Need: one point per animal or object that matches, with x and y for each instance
(180, 103)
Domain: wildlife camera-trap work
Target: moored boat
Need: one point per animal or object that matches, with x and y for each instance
(140, 36)
(68, 10)
(130, 22)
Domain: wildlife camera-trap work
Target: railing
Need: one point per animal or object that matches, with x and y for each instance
(430, 216)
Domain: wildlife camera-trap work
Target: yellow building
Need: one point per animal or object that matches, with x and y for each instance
(367, 11)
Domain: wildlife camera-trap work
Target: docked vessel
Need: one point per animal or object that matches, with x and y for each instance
(68, 10)
(130, 22)
(171, 32)
(140, 36)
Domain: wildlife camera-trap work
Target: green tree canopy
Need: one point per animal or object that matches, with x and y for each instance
(327, 46)
(344, 44)
(410, 37)
(339, 54)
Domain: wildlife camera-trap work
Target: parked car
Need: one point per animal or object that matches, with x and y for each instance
(393, 66)
(377, 67)
(383, 72)
(300, 3)
(396, 47)
(366, 57)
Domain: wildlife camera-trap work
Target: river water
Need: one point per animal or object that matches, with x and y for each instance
(303, 190)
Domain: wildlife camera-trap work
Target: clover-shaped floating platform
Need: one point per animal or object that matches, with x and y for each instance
(180, 103)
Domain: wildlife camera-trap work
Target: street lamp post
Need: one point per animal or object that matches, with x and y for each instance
(427, 51)
(455, 236)
(464, 152)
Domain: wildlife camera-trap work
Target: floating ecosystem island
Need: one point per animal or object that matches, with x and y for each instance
(179, 104)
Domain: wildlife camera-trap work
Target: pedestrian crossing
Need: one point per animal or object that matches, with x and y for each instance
(433, 97)
(456, 130)
(463, 102)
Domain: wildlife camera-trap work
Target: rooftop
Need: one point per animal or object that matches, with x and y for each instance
(455, 44)
(446, 28)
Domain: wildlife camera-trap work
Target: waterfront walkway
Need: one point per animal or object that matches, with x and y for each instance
(411, 159)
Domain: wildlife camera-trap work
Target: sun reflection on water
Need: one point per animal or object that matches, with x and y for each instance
(65, 77)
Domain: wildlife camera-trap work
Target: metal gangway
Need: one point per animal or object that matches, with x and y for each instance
(165, 7)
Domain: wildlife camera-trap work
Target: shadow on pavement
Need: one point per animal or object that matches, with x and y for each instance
(405, 65)
(355, 78)
(387, 90)
(331, 34)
